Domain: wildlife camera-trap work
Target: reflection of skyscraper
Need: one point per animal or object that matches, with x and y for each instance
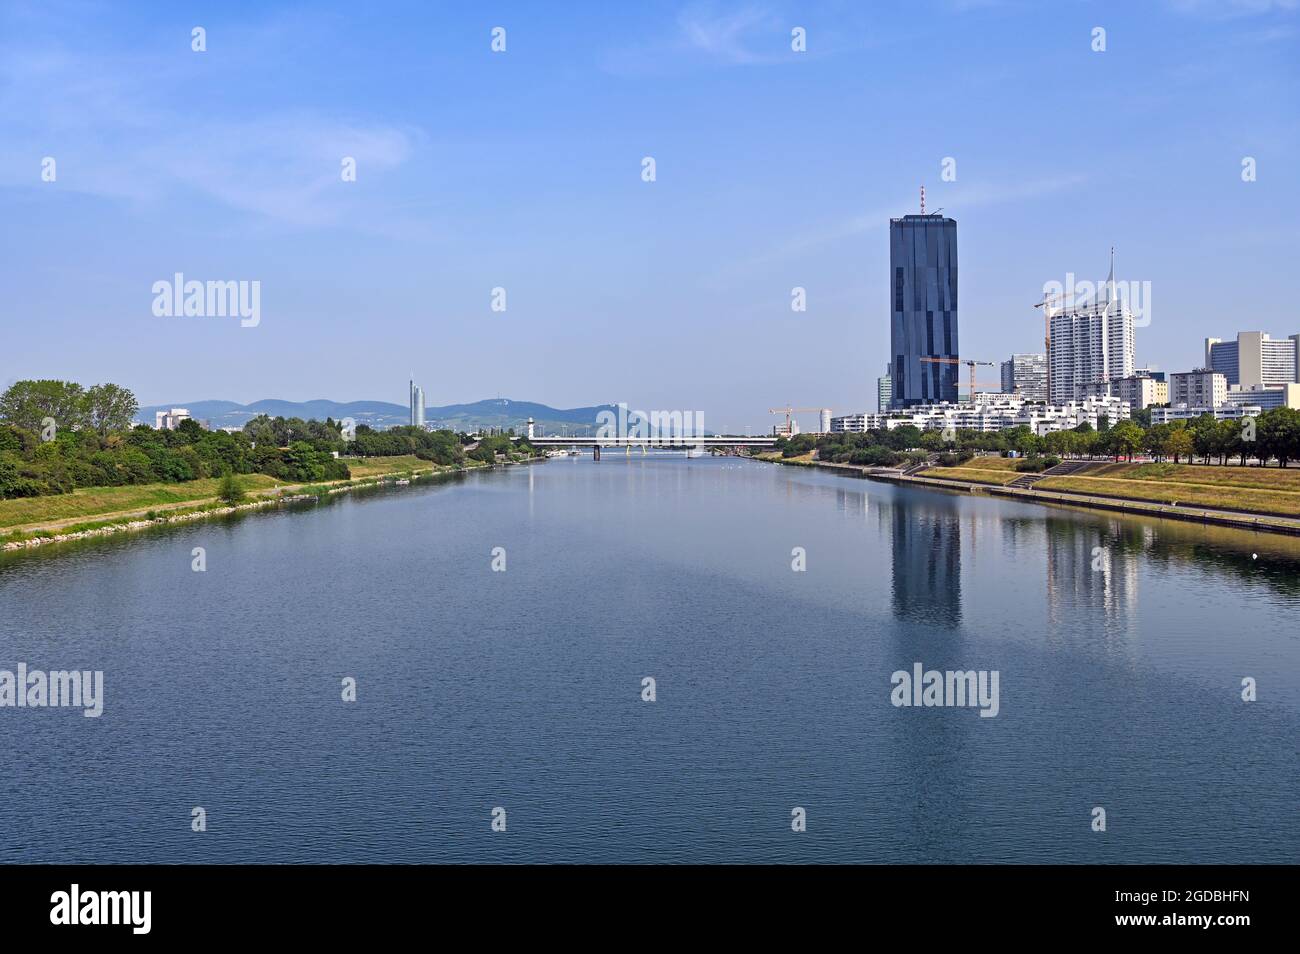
(923, 301)
(1091, 569)
(417, 405)
(927, 562)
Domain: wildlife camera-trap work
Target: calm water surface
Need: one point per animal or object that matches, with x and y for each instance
(1120, 687)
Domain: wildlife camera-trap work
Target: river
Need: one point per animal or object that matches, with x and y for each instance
(1120, 643)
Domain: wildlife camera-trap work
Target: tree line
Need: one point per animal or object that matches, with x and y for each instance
(1273, 436)
(56, 436)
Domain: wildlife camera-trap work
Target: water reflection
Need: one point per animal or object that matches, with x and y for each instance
(927, 561)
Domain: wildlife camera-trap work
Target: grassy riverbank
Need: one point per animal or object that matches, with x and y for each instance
(98, 507)
(979, 470)
(1262, 490)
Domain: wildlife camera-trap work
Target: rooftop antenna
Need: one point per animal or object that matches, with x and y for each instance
(923, 200)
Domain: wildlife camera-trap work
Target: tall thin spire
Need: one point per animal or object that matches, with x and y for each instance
(1110, 279)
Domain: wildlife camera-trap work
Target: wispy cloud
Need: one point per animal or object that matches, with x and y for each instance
(1225, 9)
(728, 37)
(125, 128)
(969, 196)
(705, 36)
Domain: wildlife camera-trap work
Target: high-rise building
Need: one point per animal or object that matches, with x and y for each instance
(923, 306)
(1091, 345)
(1026, 375)
(1255, 359)
(1199, 388)
(417, 405)
(884, 391)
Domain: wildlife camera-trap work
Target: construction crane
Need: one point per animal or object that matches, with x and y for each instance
(789, 411)
(969, 363)
(1046, 304)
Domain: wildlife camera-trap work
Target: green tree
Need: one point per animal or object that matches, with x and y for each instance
(110, 407)
(932, 441)
(230, 490)
(1022, 440)
(1229, 440)
(1125, 438)
(1205, 436)
(28, 403)
(1278, 434)
(1179, 443)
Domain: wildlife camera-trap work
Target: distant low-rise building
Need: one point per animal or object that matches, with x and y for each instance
(171, 419)
(990, 412)
(1185, 412)
(854, 423)
(1266, 396)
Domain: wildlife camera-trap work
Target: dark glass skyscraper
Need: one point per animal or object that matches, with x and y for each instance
(923, 296)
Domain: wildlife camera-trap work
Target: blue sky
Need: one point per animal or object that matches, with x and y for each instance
(522, 170)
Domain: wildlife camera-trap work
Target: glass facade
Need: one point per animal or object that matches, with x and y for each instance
(1222, 357)
(923, 324)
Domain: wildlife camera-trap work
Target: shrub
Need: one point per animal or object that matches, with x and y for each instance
(1031, 465)
(230, 490)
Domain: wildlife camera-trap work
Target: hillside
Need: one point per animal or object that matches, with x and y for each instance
(496, 412)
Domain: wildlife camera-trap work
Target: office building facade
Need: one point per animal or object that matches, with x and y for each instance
(1267, 396)
(1255, 359)
(923, 309)
(884, 391)
(1026, 375)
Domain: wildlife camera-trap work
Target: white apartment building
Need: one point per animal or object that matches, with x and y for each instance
(1199, 388)
(856, 423)
(1090, 346)
(1139, 391)
(1184, 412)
(990, 412)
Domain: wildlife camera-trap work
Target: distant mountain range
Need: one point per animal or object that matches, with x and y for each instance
(498, 412)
